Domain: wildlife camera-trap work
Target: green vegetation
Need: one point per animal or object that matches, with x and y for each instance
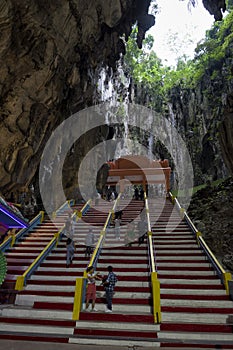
(146, 68)
(3, 267)
(200, 187)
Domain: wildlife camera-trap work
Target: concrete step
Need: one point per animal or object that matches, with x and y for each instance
(118, 325)
(186, 273)
(73, 278)
(115, 342)
(186, 317)
(198, 303)
(36, 329)
(190, 291)
(190, 281)
(212, 338)
(27, 312)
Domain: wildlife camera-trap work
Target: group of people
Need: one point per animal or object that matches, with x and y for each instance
(111, 194)
(134, 233)
(138, 193)
(108, 282)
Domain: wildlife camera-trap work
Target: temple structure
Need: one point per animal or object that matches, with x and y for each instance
(138, 170)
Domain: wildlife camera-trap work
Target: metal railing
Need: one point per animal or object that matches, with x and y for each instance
(12, 240)
(154, 276)
(224, 276)
(80, 288)
(21, 280)
(84, 209)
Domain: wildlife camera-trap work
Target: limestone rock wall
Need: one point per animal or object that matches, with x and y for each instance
(203, 116)
(49, 52)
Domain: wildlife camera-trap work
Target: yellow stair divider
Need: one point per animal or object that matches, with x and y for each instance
(80, 281)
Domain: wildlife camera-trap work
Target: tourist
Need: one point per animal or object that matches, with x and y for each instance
(70, 249)
(109, 285)
(91, 287)
(89, 242)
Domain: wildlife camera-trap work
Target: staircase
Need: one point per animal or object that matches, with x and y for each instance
(194, 304)
(131, 323)
(195, 308)
(43, 310)
(25, 251)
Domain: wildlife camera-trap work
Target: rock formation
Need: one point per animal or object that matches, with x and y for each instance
(49, 55)
(49, 52)
(211, 210)
(215, 7)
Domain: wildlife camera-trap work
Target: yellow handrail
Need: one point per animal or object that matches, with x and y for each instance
(212, 255)
(54, 214)
(226, 276)
(154, 277)
(80, 213)
(80, 280)
(21, 279)
(156, 297)
(102, 233)
(78, 298)
(13, 238)
(149, 233)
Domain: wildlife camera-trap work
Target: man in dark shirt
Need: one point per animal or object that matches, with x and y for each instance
(109, 285)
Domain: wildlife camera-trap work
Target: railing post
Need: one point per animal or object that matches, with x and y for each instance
(13, 238)
(226, 278)
(156, 297)
(19, 283)
(78, 298)
(172, 198)
(42, 216)
(182, 211)
(57, 235)
(79, 215)
(198, 234)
